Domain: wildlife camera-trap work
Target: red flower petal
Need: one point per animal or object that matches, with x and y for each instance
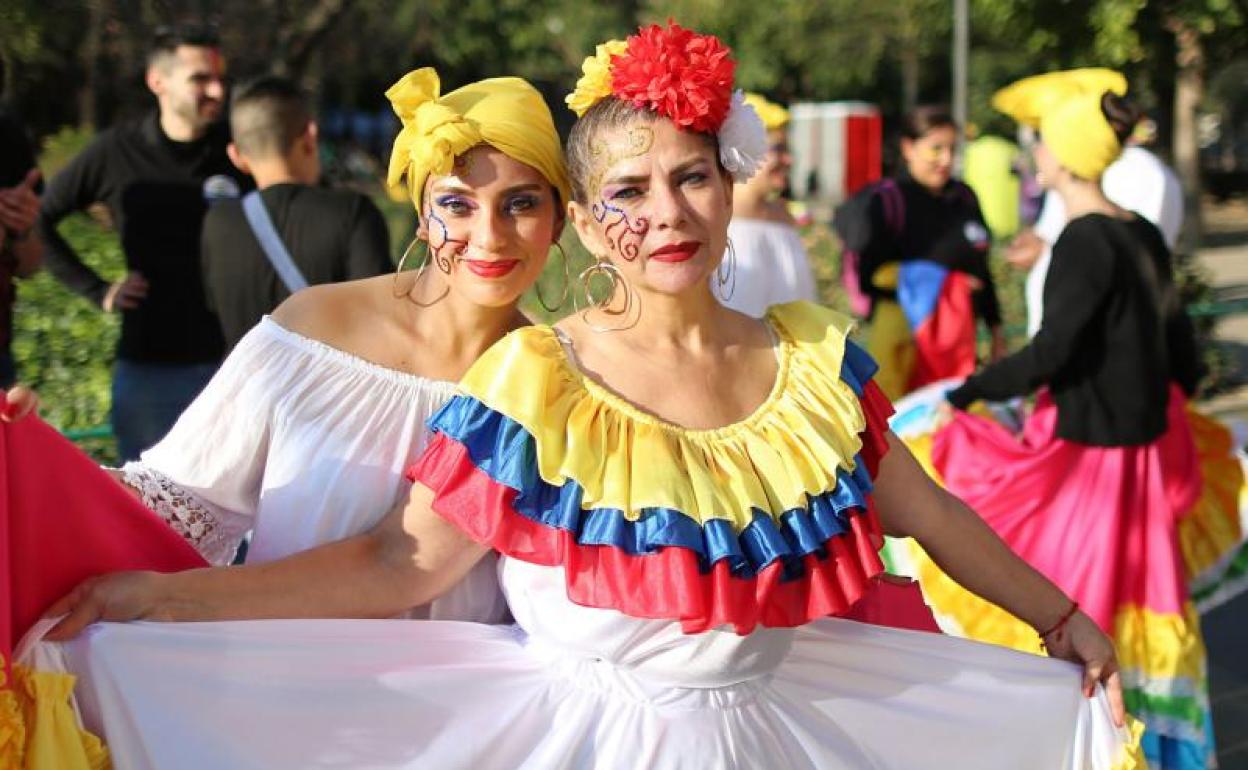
(681, 75)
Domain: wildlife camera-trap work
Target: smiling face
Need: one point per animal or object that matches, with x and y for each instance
(657, 206)
(189, 82)
(489, 226)
(929, 159)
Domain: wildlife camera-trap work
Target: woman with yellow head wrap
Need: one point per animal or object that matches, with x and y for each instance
(1091, 491)
(771, 262)
(305, 433)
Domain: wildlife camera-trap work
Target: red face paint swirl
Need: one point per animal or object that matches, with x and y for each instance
(624, 235)
(443, 251)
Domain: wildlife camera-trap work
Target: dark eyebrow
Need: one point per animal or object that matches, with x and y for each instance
(526, 187)
(640, 178)
(634, 179)
(447, 188)
(683, 167)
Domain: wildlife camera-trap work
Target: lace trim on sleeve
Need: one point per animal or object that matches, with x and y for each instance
(215, 534)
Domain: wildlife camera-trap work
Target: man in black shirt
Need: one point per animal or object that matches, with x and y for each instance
(21, 251)
(157, 177)
(327, 235)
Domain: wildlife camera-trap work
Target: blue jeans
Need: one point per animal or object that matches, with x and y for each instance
(148, 398)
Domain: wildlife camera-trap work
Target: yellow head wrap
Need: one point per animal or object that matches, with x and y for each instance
(1066, 107)
(1029, 99)
(1080, 137)
(505, 113)
(773, 115)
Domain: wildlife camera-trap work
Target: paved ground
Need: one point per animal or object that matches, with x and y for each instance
(1226, 628)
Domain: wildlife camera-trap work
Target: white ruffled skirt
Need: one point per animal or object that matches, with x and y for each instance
(441, 694)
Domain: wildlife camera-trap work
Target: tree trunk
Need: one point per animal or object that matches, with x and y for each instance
(1188, 92)
(909, 54)
(91, 49)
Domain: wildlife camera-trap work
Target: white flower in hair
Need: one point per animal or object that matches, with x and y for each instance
(742, 139)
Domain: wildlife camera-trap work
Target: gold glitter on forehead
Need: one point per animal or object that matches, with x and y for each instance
(639, 140)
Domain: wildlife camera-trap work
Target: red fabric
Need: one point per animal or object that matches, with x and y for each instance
(895, 602)
(1098, 521)
(945, 342)
(862, 151)
(63, 520)
(877, 409)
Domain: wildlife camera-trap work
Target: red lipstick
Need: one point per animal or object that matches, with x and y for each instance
(491, 268)
(676, 252)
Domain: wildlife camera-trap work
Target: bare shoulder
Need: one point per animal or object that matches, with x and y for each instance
(574, 329)
(337, 314)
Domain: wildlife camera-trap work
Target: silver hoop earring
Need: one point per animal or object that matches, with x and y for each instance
(420, 273)
(729, 279)
(602, 267)
(567, 284)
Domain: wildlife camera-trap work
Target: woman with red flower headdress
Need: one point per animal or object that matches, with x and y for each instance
(682, 496)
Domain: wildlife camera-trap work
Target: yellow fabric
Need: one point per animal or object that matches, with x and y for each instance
(1159, 645)
(12, 730)
(773, 115)
(988, 167)
(891, 343)
(1030, 99)
(1079, 136)
(505, 113)
(788, 449)
(1132, 755)
(594, 85)
(1212, 530)
(39, 729)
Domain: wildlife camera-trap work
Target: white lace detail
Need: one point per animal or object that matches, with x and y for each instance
(216, 537)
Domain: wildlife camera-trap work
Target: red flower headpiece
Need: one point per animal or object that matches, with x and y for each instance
(683, 76)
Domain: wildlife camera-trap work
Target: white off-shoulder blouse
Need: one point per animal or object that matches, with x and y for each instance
(301, 444)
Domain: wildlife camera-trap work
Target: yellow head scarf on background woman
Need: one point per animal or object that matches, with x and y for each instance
(1080, 137)
(773, 115)
(506, 113)
(1066, 107)
(1030, 99)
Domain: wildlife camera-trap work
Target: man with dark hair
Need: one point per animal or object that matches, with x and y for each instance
(157, 176)
(289, 233)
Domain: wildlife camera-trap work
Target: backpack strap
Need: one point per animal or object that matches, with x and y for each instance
(894, 206)
(271, 243)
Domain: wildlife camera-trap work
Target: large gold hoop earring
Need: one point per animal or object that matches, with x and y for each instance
(729, 279)
(603, 267)
(420, 273)
(567, 284)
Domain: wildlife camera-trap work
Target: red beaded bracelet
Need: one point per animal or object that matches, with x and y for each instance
(1070, 613)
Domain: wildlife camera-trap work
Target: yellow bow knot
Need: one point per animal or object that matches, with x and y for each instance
(433, 134)
(507, 114)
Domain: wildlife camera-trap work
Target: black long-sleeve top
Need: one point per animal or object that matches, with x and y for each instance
(1113, 337)
(332, 235)
(946, 227)
(16, 160)
(157, 191)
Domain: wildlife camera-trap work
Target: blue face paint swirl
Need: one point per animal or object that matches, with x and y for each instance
(437, 250)
(624, 235)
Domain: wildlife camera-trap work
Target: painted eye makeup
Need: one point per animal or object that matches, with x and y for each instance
(454, 204)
